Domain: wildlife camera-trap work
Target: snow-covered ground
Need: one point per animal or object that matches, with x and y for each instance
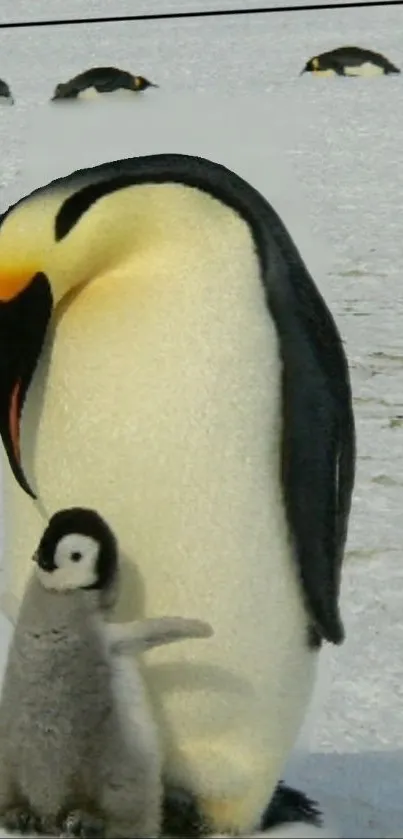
(344, 141)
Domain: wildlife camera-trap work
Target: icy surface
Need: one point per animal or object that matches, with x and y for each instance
(344, 139)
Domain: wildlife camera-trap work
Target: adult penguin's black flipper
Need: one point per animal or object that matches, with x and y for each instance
(318, 463)
(318, 429)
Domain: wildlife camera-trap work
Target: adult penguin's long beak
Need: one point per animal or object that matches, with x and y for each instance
(24, 319)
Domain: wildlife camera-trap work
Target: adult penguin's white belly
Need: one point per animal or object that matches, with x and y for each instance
(162, 410)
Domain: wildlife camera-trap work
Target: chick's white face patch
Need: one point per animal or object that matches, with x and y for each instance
(76, 563)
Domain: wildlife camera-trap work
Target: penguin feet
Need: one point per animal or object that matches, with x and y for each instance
(83, 825)
(290, 805)
(21, 820)
(182, 816)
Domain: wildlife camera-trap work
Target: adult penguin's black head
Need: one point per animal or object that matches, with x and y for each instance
(140, 83)
(318, 64)
(64, 90)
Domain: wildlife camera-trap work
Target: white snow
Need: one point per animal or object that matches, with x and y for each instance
(344, 141)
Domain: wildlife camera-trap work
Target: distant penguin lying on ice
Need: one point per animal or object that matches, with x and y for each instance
(165, 349)
(5, 93)
(349, 61)
(101, 80)
(69, 760)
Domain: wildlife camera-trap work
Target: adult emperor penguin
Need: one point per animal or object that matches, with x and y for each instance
(171, 363)
(349, 61)
(100, 80)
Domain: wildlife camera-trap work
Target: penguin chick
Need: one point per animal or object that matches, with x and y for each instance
(99, 80)
(79, 747)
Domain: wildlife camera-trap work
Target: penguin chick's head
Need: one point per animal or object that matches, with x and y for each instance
(77, 551)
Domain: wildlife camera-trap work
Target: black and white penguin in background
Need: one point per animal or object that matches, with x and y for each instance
(349, 61)
(6, 96)
(166, 357)
(101, 81)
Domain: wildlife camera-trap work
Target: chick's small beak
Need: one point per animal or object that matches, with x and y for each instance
(23, 324)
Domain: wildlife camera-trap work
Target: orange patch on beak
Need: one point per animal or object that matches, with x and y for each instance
(12, 283)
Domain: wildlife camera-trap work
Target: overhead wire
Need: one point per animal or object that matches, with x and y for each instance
(200, 13)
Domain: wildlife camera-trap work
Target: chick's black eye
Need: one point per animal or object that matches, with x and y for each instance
(76, 556)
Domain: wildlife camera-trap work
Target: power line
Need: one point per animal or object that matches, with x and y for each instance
(307, 7)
